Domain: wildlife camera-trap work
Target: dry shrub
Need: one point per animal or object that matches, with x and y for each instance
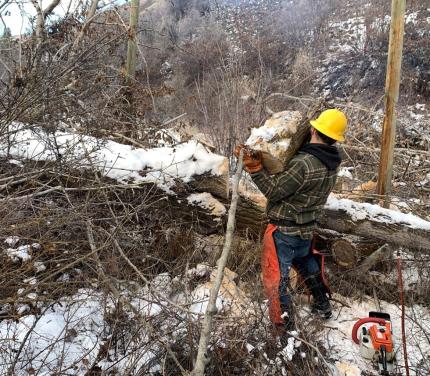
(303, 68)
(207, 50)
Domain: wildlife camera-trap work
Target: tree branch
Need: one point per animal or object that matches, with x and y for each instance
(202, 359)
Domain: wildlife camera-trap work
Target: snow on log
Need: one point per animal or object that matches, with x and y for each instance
(364, 211)
(279, 138)
(373, 221)
(163, 166)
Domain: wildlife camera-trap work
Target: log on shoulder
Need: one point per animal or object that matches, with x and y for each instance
(279, 138)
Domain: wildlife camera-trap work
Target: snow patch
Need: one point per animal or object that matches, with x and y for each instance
(12, 240)
(411, 18)
(345, 172)
(16, 162)
(20, 253)
(200, 299)
(207, 201)
(200, 271)
(289, 350)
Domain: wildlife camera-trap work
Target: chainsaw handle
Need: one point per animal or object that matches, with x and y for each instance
(365, 320)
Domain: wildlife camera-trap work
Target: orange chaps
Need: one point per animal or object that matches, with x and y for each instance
(272, 274)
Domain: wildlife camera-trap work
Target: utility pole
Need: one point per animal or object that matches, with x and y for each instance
(132, 42)
(392, 85)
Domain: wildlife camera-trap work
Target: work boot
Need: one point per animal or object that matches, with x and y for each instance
(288, 316)
(321, 304)
(280, 330)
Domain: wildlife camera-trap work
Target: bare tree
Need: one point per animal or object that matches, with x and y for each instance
(42, 14)
(132, 42)
(89, 17)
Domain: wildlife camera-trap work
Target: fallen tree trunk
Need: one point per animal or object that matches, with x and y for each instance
(196, 181)
(372, 221)
(349, 217)
(346, 217)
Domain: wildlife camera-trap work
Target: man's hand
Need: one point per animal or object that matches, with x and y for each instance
(252, 159)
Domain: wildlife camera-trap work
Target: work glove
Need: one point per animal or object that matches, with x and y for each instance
(252, 159)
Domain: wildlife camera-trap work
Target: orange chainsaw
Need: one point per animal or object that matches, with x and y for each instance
(376, 340)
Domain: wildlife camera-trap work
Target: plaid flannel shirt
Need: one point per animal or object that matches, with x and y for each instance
(298, 194)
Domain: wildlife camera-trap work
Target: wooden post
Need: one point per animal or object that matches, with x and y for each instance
(391, 97)
(132, 42)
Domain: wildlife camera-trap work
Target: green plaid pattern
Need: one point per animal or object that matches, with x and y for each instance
(297, 194)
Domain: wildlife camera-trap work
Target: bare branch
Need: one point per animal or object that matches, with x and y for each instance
(202, 359)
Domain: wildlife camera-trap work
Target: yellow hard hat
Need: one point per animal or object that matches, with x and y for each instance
(332, 123)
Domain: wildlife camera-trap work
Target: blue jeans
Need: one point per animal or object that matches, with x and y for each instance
(293, 251)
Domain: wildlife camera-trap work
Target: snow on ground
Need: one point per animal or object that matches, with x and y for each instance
(68, 336)
(21, 253)
(65, 333)
(118, 161)
(12, 240)
(353, 35)
(416, 271)
(414, 122)
(345, 172)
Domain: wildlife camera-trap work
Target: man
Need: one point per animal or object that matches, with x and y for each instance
(295, 198)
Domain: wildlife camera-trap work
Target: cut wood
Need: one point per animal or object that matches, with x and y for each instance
(382, 254)
(344, 253)
(279, 139)
(347, 250)
(216, 185)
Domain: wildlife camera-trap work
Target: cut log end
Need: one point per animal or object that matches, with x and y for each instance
(344, 253)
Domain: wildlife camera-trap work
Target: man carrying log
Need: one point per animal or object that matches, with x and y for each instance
(295, 198)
